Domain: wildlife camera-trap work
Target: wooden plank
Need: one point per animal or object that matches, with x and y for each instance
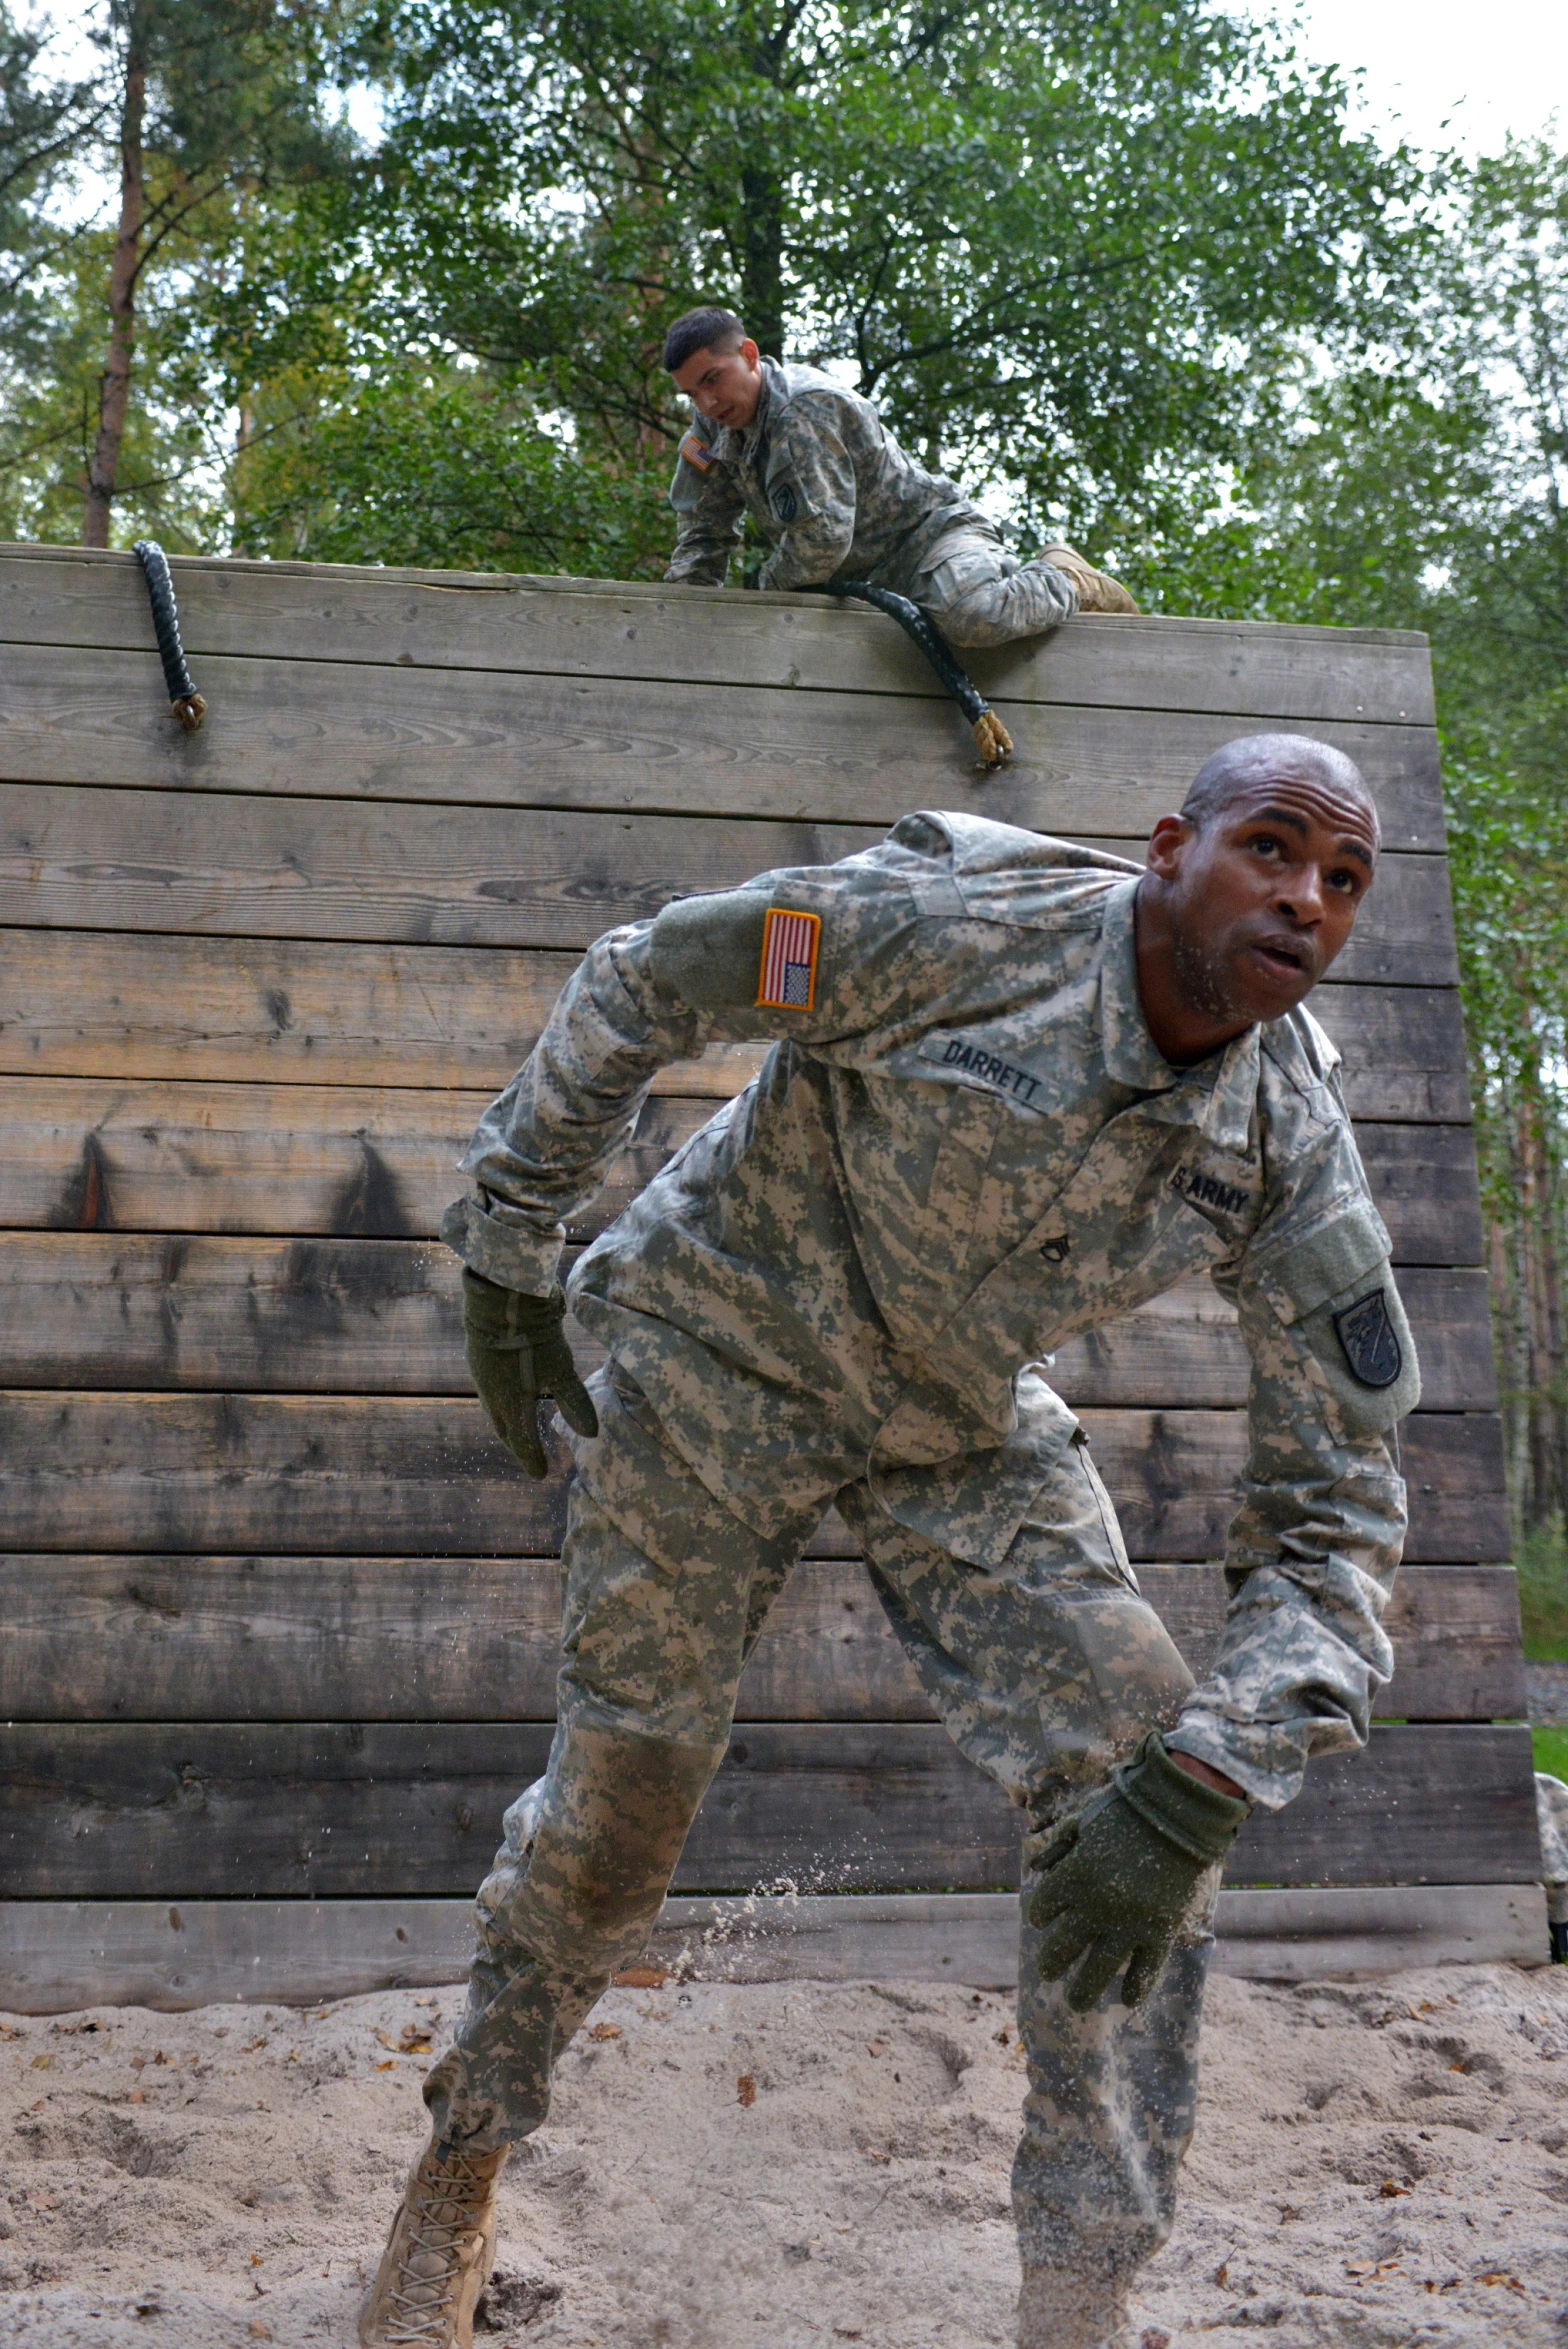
(59, 1956)
(380, 1162)
(467, 736)
(88, 1003)
(172, 1156)
(460, 1639)
(375, 1316)
(391, 1474)
(351, 1809)
(247, 867)
(117, 1006)
(581, 628)
(1425, 1184)
(1455, 1631)
(1174, 1475)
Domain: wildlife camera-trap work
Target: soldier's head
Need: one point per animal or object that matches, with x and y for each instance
(1252, 890)
(716, 364)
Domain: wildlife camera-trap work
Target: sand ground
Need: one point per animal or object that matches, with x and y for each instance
(728, 2167)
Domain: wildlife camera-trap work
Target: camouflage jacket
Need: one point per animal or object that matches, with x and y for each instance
(962, 1149)
(827, 485)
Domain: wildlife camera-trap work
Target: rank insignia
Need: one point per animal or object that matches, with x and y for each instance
(787, 980)
(1370, 1340)
(697, 452)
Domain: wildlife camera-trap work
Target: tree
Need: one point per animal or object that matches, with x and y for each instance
(1057, 242)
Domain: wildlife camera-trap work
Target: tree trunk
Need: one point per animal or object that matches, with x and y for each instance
(114, 387)
(762, 260)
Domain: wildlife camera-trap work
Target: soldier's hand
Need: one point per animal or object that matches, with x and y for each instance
(1118, 1878)
(518, 1358)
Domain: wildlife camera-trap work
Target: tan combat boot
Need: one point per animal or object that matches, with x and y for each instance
(1097, 591)
(438, 2254)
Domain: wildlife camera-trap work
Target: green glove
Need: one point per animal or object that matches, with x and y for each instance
(517, 1356)
(1119, 1875)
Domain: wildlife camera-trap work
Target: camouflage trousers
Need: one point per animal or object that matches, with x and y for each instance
(1044, 1672)
(979, 593)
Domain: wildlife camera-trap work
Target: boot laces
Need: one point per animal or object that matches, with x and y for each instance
(442, 2219)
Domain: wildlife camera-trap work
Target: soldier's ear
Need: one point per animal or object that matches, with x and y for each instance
(1167, 842)
(749, 351)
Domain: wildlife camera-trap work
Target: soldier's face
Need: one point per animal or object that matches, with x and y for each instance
(1263, 898)
(724, 386)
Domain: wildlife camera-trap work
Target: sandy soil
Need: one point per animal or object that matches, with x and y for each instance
(760, 2168)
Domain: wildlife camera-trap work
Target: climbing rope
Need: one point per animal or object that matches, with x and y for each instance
(992, 739)
(186, 703)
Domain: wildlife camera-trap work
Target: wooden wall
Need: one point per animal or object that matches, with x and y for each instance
(276, 1615)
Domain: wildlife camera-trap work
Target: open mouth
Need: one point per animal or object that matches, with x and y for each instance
(1286, 958)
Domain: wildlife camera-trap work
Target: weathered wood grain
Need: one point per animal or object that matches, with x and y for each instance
(464, 736)
(59, 1956)
(248, 867)
(376, 1316)
(596, 628)
(372, 1161)
(347, 1809)
(396, 1473)
(464, 1639)
(380, 1162)
(117, 1005)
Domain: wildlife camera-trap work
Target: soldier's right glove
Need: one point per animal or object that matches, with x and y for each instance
(517, 1358)
(1121, 1873)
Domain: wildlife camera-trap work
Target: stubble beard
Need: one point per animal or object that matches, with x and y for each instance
(1201, 976)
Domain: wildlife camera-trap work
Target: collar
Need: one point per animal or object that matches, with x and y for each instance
(1216, 1095)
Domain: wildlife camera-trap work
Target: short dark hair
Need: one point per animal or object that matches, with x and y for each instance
(1255, 758)
(705, 329)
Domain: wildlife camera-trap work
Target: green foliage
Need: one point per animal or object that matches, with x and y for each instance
(1541, 1561)
(1550, 1748)
(1057, 242)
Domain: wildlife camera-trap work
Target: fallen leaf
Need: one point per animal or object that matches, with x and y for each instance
(7, 2032)
(1360, 2267)
(255, 2259)
(42, 2201)
(876, 2047)
(257, 2330)
(1003, 2037)
(42, 2063)
(388, 2066)
(1222, 2273)
(415, 2039)
(746, 2089)
(138, 2096)
(605, 2031)
(1391, 2189)
(873, 2155)
(641, 1978)
(1288, 2211)
(847, 2333)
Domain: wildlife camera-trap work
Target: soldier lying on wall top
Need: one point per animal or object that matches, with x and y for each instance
(1015, 1088)
(835, 497)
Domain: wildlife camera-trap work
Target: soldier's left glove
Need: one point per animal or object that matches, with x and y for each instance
(518, 1358)
(1120, 1875)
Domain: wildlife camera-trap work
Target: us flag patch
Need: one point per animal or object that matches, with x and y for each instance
(788, 978)
(696, 452)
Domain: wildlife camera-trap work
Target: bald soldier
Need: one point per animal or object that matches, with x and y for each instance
(1014, 1088)
(835, 498)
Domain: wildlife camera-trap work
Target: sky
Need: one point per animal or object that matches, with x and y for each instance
(1442, 72)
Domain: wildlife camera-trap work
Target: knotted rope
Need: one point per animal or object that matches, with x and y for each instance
(992, 739)
(186, 703)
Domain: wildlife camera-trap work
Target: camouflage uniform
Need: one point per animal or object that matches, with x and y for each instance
(835, 497)
(962, 1149)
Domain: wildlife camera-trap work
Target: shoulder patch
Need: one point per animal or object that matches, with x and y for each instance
(1370, 1340)
(697, 452)
(787, 980)
(784, 502)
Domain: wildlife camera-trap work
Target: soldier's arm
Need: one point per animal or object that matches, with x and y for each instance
(815, 953)
(1313, 1549)
(812, 492)
(709, 512)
